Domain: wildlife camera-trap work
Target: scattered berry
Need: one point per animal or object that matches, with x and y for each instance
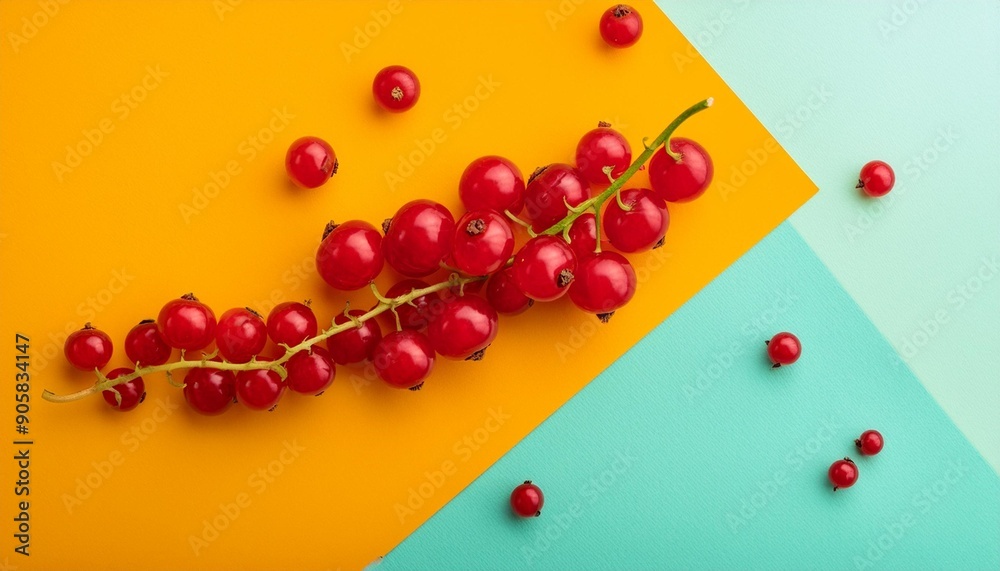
(548, 192)
(396, 88)
(681, 180)
(783, 349)
(639, 228)
(259, 389)
(483, 242)
(310, 162)
(503, 294)
(492, 182)
(350, 256)
(466, 327)
(186, 323)
(527, 500)
(876, 179)
(403, 359)
(870, 442)
(88, 348)
(145, 346)
(240, 335)
(291, 323)
(621, 26)
(209, 391)
(418, 238)
(604, 283)
(843, 474)
(310, 372)
(125, 396)
(544, 268)
(355, 344)
(601, 148)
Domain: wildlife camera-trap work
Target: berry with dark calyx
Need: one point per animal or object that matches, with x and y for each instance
(639, 228)
(418, 238)
(604, 282)
(682, 179)
(876, 179)
(621, 26)
(583, 235)
(527, 500)
(125, 396)
(503, 295)
(466, 327)
(209, 391)
(186, 323)
(599, 149)
(350, 256)
(240, 335)
(544, 268)
(259, 389)
(492, 182)
(291, 323)
(310, 372)
(310, 162)
(416, 314)
(145, 346)
(549, 190)
(783, 349)
(356, 344)
(483, 242)
(88, 348)
(396, 88)
(403, 359)
(843, 474)
(870, 442)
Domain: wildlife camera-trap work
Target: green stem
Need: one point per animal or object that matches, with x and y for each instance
(385, 304)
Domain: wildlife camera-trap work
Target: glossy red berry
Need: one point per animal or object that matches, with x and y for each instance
(403, 359)
(548, 192)
(621, 26)
(583, 235)
(843, 473)
(310, 162)
(526, 500)
(601, 148)
(259, 389)
(876, 179)
(418, 238)
(870, 442)
(503, 294)
(544, 268)
(641, 227)
(186, 323)
(310, 372)
(783, 349)
(604, 282)
(466, 327)
(240, 335)
(350, 255)
(492, 182)
(483, 242)
(291, 323)
(681, 180)
(209, 391)
(396, 88)
(356, 344)
(88, 348)
(131, 393)
(143, 345)
(417, 314)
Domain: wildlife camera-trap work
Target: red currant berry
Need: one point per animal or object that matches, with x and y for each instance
(310, 372)
(641, 227)
(350, 256)
(583, 235)
(870, 443)
(310, 162)
(548, 192)
(466, 327)
(396, 88)
(783, 349)
(209, 391)
(418, 238)
(240, 335)
(186, 323)
(876, 179)
(526, 500)
(503, 294)
(88, 348)
(131, 393)
(544, 268)
(681, 180)
(492, 182)
(483, 242)
(356, 344)
(621, 26)
(144, 346)
(601, 148)
(259, 389)
(843, 474)
(604, 282)
(416, 314)
(403, 359)
(291, 323)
